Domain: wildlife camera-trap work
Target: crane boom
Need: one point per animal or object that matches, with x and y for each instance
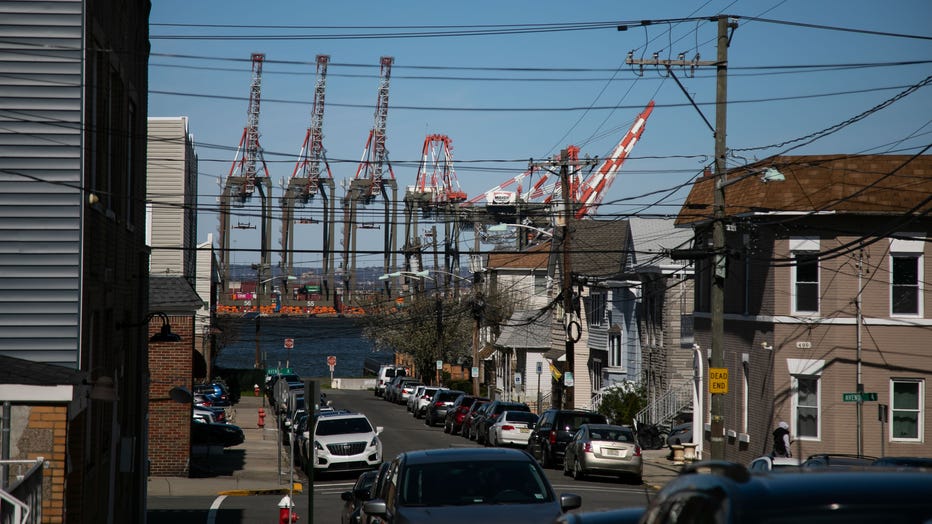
(594, 188)
(375, 156)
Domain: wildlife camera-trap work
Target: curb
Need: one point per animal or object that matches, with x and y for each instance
(296, 488)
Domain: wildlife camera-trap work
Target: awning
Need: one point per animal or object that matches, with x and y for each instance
(557, 355)
(486, 352)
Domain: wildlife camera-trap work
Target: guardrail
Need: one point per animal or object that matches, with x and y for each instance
(21, 501)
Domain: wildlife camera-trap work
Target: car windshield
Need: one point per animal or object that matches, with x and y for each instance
(481, 482)
(572, 422)
(344, 425)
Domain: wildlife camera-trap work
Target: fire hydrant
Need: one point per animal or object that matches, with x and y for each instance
(261, 422)
(286, 509)
(255, 389)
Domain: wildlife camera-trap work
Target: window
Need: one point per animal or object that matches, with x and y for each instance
(596, 374)
(540, 284)
(806, 397)
(906, 409)
(904, 293)
(806, 282)
(596, 309)
(614, 347)
(906, 264)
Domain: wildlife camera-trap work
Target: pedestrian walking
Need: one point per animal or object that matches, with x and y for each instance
(781, 440)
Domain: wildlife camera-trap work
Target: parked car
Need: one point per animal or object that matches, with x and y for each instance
(214, 392)
(353, 499)
(392, 390)
(343, 442)
(475, 412)
(837, 461)
(209, 414)
(216, 434)
(512, 428)
(554, 430)
(386, 373)
(603, 449)
(409, 404)
(405, 389)
(491, 414)
(456, 413)
(768, 463)
(680, 434)
(440, 404)
(726, 493)
(463, 485)
(924, 463)
(423, 400)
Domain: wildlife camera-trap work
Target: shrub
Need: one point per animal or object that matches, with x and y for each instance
(621, 402)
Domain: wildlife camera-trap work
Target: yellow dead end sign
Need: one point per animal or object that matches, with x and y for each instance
(718, 381)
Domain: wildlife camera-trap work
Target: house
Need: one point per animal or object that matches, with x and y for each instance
(72, 241)
(827, 303)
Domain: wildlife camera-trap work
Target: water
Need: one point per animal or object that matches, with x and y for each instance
(314, 340)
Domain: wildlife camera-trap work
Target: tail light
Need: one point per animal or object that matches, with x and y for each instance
(508, 428)
(553, 437)
(587, 448)
(637, 450)
(438, 403)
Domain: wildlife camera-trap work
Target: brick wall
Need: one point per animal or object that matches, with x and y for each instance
(170, 421)
(45, 435)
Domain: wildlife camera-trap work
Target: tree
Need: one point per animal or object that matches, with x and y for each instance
(622, 402)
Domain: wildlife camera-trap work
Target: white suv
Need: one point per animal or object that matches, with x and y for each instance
(344, 441)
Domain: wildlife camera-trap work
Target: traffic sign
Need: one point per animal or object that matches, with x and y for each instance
(439, 364)
(718, 381)
(859, 397)
(331, 361)
(289, 343)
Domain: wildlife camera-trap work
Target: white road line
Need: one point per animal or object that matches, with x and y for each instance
(212, 513)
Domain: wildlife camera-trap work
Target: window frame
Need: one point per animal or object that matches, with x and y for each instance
(916, 285)
(598, 304)
(796, 283)
(919, 410)
(796, 406)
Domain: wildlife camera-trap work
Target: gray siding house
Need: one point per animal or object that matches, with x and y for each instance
(73, 260)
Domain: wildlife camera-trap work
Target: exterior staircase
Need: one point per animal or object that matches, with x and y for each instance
(663, 410)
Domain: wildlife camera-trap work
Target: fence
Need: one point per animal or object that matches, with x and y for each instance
(21, 501)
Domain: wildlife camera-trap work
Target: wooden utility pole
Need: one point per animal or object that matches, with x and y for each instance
(717, 406)
(566, 281)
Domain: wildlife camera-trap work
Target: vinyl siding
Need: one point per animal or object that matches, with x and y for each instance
(40, 180)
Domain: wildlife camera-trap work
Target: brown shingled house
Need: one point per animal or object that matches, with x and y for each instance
(826, 295)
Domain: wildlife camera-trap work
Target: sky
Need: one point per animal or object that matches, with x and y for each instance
(521, 88)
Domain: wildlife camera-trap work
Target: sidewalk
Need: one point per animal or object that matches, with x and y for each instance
(247, 469)
(658, 469)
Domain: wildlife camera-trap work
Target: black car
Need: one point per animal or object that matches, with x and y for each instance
(490, 415)
(353, 500)
(720, 492)
(453, 420)
(439, 405)
(837, 461)
(214, 434)
(554, 430)
(466, 485)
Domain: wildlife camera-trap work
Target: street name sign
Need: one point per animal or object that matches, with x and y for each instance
(859, 397)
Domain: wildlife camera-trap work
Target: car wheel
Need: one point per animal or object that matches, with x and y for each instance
(566, 469)
(446, 427)
(428, 421)
(491, 439)
(545, 460)
(578, 473)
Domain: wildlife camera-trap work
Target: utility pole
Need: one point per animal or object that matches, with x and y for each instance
(717, 447)
(566, 281)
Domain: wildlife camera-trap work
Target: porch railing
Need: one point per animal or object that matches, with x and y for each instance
(667, 406)
(21, 501)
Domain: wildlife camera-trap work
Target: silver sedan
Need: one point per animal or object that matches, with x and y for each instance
(603, 449)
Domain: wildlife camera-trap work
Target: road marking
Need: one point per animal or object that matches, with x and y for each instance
(212, 513)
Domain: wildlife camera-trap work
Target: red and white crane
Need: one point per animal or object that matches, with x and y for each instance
(371, 170)
(594, 188)
(436, 177)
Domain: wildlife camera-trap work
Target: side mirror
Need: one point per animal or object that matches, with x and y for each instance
(568, 502)
(346, 495)
(377, 508)
(379, 429)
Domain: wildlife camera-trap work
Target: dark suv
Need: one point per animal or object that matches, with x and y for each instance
(554, 430)
(457, 412)
(439, 405)
(719, 492)
(490, 415)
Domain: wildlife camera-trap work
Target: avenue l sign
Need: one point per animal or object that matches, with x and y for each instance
(858, 397)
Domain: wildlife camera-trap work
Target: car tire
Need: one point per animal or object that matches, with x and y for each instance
(545, 461)
(578, 473)
(566, 470)
(428, 421)
(446, 427)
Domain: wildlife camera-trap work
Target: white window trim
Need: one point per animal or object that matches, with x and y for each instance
(811, 368)
(745, 391)
(920, 436)
(907, 244)
(808, 244)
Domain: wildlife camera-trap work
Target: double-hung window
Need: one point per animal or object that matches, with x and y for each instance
(906, 274)
(906, 409)
(805, 274)
(807, 406)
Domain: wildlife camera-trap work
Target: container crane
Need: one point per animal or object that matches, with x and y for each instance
(369, 183)
(436, 192)
(311, 177)
(244, 177)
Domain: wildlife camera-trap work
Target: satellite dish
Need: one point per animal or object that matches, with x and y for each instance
(181, 395)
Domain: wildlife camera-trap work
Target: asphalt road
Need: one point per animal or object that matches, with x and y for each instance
(401, 432)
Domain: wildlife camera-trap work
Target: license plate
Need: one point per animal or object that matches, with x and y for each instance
(524, 430)
(614, 452)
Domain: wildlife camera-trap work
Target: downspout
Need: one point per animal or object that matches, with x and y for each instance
(5, 450)
(698, 409)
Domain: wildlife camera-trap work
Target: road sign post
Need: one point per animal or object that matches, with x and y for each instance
(332, 362)
(289, 345)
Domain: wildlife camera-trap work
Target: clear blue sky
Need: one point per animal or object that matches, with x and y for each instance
(499, 118)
